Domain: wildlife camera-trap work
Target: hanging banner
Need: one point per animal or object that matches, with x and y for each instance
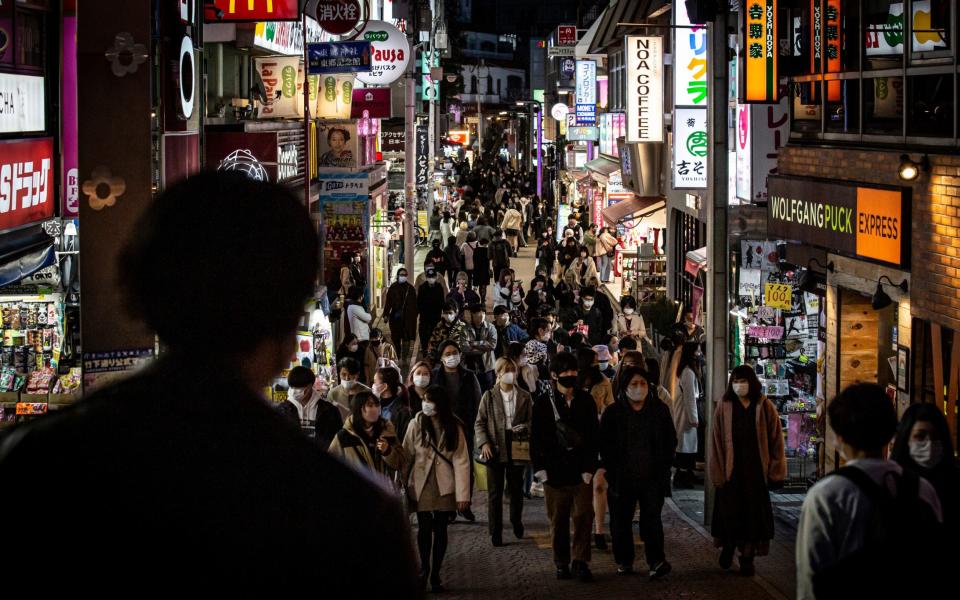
(391, 53)
(338, 57)
(375, 102)
(423, 162)
(22, 103)
(335, 97)
(566, 35)
(343, 186)
(690, 149)
(583, 134)
(759, 79)
(70, 189)
(833, 46)
(778, 295)
(761, 132)
(429, 87)
(690, 60)
(393, 136)
(280, 76)
(644, 57)
(461, 138)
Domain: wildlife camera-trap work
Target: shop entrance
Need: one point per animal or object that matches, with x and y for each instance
(868, 341)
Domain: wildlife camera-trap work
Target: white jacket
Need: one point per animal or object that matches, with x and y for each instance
(684, 409)
(359, 322)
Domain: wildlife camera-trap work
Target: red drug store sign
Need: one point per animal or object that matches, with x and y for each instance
(26, 182)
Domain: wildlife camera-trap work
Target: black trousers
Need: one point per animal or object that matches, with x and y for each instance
(624, 499)
(426, 330)
(432, 541)
(497, 473)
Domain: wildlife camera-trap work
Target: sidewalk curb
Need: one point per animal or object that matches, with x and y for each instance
(758, 579)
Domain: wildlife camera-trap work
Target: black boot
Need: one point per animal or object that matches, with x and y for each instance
(726, 557)
(600, 541)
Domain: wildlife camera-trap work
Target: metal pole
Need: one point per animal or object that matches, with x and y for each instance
(479, 117)
(718, 255)
(410, 164)
(539, 151)
(306, 119)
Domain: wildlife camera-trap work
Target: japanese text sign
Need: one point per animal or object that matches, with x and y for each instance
(691, 58)
(644, 56)
(759, 72)
(423, 162)
(778, 295)
(567, 35)
(690, 148)
(338, 16)
(339, 57)
(343, 186)
(391, 52)
(761, 132)
(586, 82)
(26, 182)
(765, 332)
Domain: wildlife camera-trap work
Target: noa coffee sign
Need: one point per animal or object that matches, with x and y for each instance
(390, 53)
(338, 16)
(868, 222)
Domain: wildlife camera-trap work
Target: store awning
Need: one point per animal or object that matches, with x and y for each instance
(634, 207)
(600, 168)
(575, 175)
(17, 266)
(624, 11)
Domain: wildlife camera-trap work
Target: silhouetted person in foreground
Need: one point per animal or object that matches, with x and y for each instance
(182, 476)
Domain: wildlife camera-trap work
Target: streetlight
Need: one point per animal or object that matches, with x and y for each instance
(537, 108)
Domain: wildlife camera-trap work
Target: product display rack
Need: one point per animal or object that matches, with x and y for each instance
(645, 276)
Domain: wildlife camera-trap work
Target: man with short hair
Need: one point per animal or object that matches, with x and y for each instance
(182, 469)
(430, 301)
(507, 332)
(479, 344)
(400, 310)
(341, 395)
(306, 408)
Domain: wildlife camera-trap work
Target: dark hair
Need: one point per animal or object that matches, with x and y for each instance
(504, 272)
(451, 305)
(515, 351)
(667, 345)
(177, 251)
(445, 344)
(629, 359)
(448, 421)
(300, 377)
(391, 377)
(628, 342)
(589, 373)
(376, 332)
(743, 372)
(536, 324)
(355, 294)
(451, 241)
(916, 413)
(352, 365)
(356, 410)
(628, 302)
(346, 134)
(863, 415)
(688, 357)
(577, 340)
(627, 375)
(499, 310)
(563, 361)
(653, 371)
(588, 291)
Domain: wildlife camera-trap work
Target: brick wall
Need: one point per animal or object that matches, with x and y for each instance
(935, 259)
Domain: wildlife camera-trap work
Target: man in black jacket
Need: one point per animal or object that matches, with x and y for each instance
(637, 444)
(181, 476)
(563, 449)
(430, 300)
(591, 316)
(306, 408)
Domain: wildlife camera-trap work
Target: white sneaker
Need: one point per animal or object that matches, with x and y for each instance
(536, 489)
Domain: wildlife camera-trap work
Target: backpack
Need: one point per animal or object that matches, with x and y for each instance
(901, 555)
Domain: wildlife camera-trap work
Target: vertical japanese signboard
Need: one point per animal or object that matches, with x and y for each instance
(586, 97)
(644, 56)
(422, 159)
(566, 35)
(690, 65)
(690, 148)
(832, 43)
(759, 73)
(761, 132)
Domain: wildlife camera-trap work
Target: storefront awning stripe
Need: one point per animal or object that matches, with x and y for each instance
(13, 269)
(629, 207)
(603, 166)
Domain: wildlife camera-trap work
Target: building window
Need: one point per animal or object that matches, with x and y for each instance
(499, 87)
(474, 85)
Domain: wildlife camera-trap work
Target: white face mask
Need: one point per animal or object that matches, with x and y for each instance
(450, 317)
(628, 311)
(587, 304)
(741, 389)
(927, 453)
(451, 361)
(348, 384)
(604, 364)
(508, 378)
(402, 279)
(636, 393)
(297, 394)
(378, 389)
(353, 347)
(421, 381)
(429, 408)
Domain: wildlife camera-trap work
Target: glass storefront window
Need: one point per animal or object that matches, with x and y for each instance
(883, 105)
(931, 105)
(883, 34)
(843, 106)
(931, 27)
(806, 110)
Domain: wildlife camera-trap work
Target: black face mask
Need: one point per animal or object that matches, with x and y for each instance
(569, 382)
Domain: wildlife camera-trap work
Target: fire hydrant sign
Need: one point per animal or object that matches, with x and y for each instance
(778, 295)
(338, 16)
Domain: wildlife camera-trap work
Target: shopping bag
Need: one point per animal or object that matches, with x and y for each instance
(520, 451)
(480, 476)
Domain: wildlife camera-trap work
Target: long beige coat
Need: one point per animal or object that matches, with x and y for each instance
(422, 459)
(769, 439)
(491, 425)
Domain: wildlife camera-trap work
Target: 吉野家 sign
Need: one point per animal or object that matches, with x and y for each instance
(690, 148)
(339, 57)
(582, 133)
(778, 295)
(759, 73)
(691, 59)
(644, 57)
(872, 223)
(391, 53)
(253, 10)
(26, 191)
(21, 103)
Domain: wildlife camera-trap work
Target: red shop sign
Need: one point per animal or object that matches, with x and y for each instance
(252, 10)
(567, 35)
(26, 183)
(338, 16)
(375, 101)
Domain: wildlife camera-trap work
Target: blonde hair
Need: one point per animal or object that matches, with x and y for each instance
(502, 363)
(420, 363)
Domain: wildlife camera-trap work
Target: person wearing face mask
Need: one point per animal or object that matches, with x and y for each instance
(870, 529)
(480, 344)
(629, 322)
(924, 445)
(504, 414)
(637, 440)
(591, 317)
(568, 252)
(546, 252)
(507, 331)
(357, 318)
(377, 350)
(350, 385)
(537, 348)
(563, 450)
(463, 293)
(538, 296)
(367, 441)
(430, 301)
(603, 361)
(454, 259)
(438, 478)
(417, 384)
(450, 327)
(595, 383)
(438, 267)
(583, 267)
(401, 311)
(306, 407)
(394, 406)
(526, 372)
(748, 458)
(686, 417)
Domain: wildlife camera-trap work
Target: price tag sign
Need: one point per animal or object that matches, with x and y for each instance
(778, 295)
(31, 408)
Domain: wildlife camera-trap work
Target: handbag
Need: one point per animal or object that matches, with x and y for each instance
(567, 437)
(478, 456)
(520, 450)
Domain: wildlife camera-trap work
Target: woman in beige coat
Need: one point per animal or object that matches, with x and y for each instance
(747, 459)
(368, 441)
(504, 415)
(438, 477)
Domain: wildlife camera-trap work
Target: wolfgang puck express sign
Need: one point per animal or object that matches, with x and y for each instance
(847, 218)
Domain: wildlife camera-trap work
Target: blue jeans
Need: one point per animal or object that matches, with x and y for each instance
(604, 263)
